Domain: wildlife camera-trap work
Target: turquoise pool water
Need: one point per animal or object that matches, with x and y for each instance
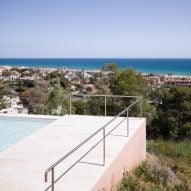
(14, 129)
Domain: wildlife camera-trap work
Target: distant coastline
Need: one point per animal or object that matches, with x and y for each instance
(156, 66)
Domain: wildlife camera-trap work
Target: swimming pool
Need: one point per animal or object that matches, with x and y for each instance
(14, 129)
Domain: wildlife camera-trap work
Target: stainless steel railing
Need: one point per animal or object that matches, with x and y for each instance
(102, 129)
(95, 95)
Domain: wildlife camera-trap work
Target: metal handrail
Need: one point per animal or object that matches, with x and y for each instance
(103, 95)
(51, 168)
(97, 95)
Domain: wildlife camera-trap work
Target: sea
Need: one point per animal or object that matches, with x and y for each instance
(155, 66)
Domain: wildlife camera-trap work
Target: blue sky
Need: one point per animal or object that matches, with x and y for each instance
(95, 28)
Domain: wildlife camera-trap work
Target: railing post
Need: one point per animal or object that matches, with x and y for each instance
(105, 105)
(70, 104)
(141, 107)
(52, 180)
(104, 146)
(127, 122)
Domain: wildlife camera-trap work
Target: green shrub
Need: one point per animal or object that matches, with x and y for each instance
(153, 175)
(129, 182)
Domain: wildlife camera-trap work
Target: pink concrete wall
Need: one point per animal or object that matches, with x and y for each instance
(132, 154)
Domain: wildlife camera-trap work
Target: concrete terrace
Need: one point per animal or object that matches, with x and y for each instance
(22, 166)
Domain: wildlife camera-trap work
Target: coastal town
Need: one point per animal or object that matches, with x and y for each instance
(77, 82)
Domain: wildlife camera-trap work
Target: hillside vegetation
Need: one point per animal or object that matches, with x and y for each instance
(167, 168)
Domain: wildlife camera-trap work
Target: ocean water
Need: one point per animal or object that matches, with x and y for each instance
(159, 66)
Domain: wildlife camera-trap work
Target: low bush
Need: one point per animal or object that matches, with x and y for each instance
(152, 175)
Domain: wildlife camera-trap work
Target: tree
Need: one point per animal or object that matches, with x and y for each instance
(95, 106)
(54, 74)
(41, 109)
(64, 82)
(173, 114)
(57, 102)
(2, 105)
(129, 83)
(6, 73)
(79, 106)
(112, 67)
(31, 98)
(57, 79)
(103, 89)
(29, 83)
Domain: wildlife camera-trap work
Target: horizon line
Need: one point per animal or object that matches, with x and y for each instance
(94, 58)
